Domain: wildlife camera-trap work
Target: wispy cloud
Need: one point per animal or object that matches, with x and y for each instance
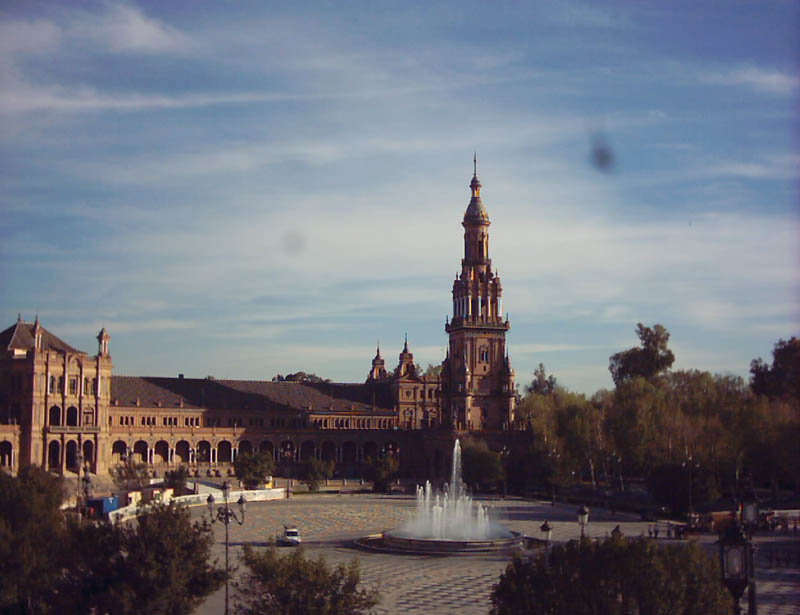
(759, 79)
(773, 167)
(124, 28)
(25, 98)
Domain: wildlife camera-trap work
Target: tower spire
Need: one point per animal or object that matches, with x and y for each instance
(475, 163)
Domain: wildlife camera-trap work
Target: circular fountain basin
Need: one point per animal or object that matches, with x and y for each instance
(393, 542)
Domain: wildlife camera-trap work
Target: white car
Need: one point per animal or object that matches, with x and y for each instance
(290, 536)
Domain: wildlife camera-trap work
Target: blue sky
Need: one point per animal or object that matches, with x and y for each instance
(244, 189)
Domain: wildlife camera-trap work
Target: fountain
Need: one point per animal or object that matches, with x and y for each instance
(450, 522)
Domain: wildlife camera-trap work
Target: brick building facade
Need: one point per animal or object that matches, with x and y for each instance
(59, 406)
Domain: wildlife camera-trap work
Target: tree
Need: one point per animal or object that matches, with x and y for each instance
(615, 576)
(382, 471)
(649, 361)
(313, 471)
(542, 384)
(480, 466)
(32, 538)
(670, 485)
(129, 475)
(253, 469)
(432, 370)
(176, 480)
(633, 420)
(295, 585)
(158, 565)
(782, 378)
(579, 428)
(535, 468)
(300, 377)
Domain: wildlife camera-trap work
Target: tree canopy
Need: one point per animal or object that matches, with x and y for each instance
(614, 576)
(782, 378)
(159, 564)
(313, 471)
(693, 436)
(300, 377)
(381, 472)
(542, 384)
(129, 475)
(649, 360)
(296, 585)
(253, 469)
(32, 532)
(480, 467)
(176, 479)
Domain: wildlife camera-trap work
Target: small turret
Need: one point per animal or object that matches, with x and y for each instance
(37, 334)
(378, 371)
(102, 342)
(406, 365)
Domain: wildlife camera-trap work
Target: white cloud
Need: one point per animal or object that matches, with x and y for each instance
(760, 79)
(772, 167)
(123, 28)
(26, 98)
(33, 37)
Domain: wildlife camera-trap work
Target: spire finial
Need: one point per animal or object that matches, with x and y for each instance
(475, 163)
(405, 345)
(19, 316)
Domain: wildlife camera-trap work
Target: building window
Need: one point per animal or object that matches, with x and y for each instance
(51, 385)
(484, 355)
(73, 386)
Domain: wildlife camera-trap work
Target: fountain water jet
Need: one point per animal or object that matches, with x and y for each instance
(450, 521)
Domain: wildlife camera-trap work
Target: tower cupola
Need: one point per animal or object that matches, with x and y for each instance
(102, 342)
(476, 212)
(378, 371)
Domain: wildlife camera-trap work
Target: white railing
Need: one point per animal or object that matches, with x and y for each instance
(128, 512)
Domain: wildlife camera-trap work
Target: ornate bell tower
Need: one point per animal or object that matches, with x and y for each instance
(478, 382)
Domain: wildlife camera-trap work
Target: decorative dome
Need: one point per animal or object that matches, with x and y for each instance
(475, 210)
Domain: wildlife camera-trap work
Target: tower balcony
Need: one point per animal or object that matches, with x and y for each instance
(73, 429)
(477, 322)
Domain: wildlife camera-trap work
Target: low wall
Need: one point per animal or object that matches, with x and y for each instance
(200, 499)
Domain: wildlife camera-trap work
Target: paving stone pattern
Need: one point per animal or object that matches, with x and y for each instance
(432, 584)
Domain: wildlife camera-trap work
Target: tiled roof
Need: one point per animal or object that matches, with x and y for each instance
(19, 336)
(250, 394)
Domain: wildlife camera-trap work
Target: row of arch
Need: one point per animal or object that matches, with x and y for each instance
(66, 457)
(353, 423)
(225, 451)
(70, 418)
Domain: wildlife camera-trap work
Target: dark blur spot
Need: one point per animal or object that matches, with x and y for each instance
(294, 241)
(602, 155)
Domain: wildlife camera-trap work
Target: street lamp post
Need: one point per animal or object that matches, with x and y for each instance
(736, 561)
(287, 452)
(86, 485)
(78, 462)
(750, 517)
(225, 514)
(583, 518)
(547, 531)
(83, 484)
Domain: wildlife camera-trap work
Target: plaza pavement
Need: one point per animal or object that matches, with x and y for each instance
(430, 584)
